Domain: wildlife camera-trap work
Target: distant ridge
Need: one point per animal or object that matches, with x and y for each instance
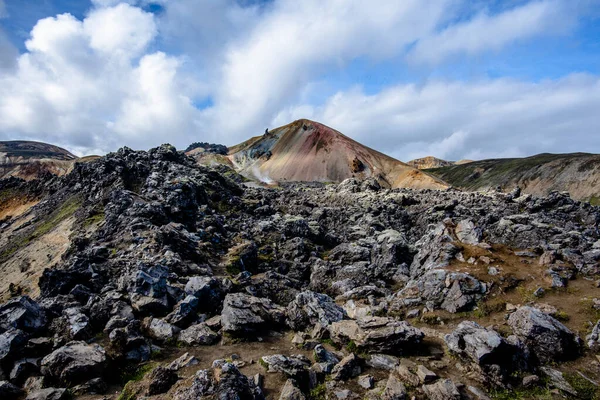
(576, 173)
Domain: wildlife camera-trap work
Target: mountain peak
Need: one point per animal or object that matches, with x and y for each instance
(306, 150)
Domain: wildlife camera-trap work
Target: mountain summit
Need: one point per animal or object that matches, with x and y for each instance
(305, 150)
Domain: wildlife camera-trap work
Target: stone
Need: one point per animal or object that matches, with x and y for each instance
(75, 362)
(425, 375)
(326, 359)
(467, 232)
(49, 394)
(247, 315)
(558, 381)
(22, 313)
(310, 308)
(185, 312)
(8, 391)
(394, 389)
(11, 345)
(161, 380)
(295, 367)
(530, 380)
(443, 389)
(186, 360)
(199, 334)
(548, 339)
(348, 367)
(480, 345)
(377, 334)
(290, 391)
(383, 361)
(366, 381)
(162, 330)
(407, 376)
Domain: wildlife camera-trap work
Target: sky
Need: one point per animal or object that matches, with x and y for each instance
(456, 79)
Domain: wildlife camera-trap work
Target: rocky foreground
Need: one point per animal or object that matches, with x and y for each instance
(181, 283)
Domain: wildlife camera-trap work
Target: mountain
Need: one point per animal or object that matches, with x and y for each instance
(576, 173)
(28, 160)
(433, 162)
(306, 151)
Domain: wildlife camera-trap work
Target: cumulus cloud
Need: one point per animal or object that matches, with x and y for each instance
(487, 32)
(477, 120)
(82, 85)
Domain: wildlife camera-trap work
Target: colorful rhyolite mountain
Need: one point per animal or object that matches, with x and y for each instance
(434, 162)
(309, 151)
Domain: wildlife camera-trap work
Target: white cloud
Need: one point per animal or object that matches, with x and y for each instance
(468, 120)
(78, 87)
(487, 32)
(294, 41)
(122, 29)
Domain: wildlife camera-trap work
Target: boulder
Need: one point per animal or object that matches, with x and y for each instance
(232, 384)
(593, 339)
(443, 389)
(199, 334)
(310, 308)
(291, 391)
(8, 391)
(184, 312)
(244, 314)
(377, 334)
(467, 232)
(22, 313)
(295, 367)
(207, 290)
(326, 359)
(548, 339)
(480, 345)
(161, 330)
(78, 323)
(11, 345)
(161, 380)
(75, 362)
(394, 389)
(49, 394)
(348, 367)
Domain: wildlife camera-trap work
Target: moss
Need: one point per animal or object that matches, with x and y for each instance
(486, 308)
(561, 316)
(537, 393)
(263, 363)
(128, 393)
(430, 319)
(136, 373)
(595, 200)
(318, 392)
(584, 388)
(94, 219)
(352, 347)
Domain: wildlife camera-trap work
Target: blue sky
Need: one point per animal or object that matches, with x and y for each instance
(450, 78)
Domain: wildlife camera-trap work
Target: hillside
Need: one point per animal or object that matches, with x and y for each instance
(306, 151)
(576, 173)
(28, 160)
